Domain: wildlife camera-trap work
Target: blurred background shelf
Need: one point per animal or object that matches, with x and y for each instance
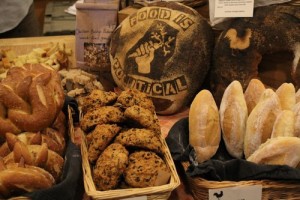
(53, 19)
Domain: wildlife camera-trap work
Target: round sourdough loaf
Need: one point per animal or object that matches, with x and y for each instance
(163, 50)
(241, 47)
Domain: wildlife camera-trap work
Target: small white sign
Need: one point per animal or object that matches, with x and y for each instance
(137, 198)
(234, 8)
(253, 192)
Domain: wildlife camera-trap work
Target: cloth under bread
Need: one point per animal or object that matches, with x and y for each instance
(71, 185)
(222, 167)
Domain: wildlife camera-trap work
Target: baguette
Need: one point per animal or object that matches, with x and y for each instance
(296, 110)
(204, 126)
(253, 92)
(287, 96)
(297, 95)
(260, 121)
(278, 151)
(233, 118)
(284, 124)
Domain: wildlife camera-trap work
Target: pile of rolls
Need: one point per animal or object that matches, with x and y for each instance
(260, 124)
(123, 139)
(32, 129)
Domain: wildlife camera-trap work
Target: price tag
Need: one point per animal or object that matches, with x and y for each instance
(234, 8)
(137, 198)
(253, 192)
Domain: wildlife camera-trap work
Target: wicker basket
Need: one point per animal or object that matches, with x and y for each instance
(153, 193)
(270, 189)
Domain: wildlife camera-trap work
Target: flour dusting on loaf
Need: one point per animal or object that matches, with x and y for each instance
(278, 151)
(287, 95)
(284, 124)
(204, 126)
(233, 117)
(253, 92)
(260, 121)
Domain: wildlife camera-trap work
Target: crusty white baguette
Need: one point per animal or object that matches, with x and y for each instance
(204, 126)
(284, 124)
(253, 92)
(296, 110)
(233, 118)
(260, 121)
(286, 93)
(278, 151)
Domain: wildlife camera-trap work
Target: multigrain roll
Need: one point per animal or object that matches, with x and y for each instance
(110, 166)
(233, 118)
(260, 121)
(101, 115)
(99, 139)
(140, 138)
(204, 126)
(146, 169)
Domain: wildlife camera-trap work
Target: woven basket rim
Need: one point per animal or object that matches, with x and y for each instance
(90, 188)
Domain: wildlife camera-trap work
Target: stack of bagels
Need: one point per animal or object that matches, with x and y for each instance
(32, 129)
(259, 124)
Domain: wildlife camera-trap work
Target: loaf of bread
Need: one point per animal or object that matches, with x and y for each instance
(296, 110)
(298, 96)
(37, 155)
(18, 177)
(204, 126)
(260, 121)
(278, 151)
(110, 166)
(233, 118)
(287, 95)
(31, 97)
(99, 139)
(253, 93)
(52, 139)
(284, 124)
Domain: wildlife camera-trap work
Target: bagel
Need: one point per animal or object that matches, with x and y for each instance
(240, 47)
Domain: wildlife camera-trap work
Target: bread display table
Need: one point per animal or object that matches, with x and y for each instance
(22, 46)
